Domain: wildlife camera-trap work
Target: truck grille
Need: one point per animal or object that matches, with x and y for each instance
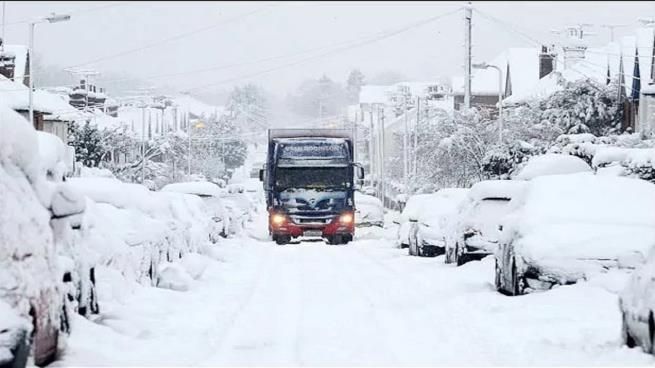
(302, 220)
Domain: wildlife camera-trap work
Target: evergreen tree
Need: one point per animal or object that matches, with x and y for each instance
(354, 85)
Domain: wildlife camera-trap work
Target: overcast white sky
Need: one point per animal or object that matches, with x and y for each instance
(99, 29)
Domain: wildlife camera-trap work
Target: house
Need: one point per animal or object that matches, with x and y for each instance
(630, 61)
(52, 114)
(521, 69)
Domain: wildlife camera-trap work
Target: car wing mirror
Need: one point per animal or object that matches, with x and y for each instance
(261, 174)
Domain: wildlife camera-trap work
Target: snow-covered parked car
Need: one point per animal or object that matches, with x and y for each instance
(210, 193)
(368, 211)
(551, 164)
(412, 207)
(563, 228)
(31, 299)
(427, 235)
(76, 266)
(133, 229)
(637, 303)
(473, 232)
(239, 206)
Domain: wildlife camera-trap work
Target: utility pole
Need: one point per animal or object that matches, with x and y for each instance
(406, 148)
(370, 143)
(4, 10)
(468, 14)
(383, 190)
(416, 131)
(143, 143)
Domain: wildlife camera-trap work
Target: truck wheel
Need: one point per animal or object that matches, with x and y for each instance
(336, 240)
(282, 240)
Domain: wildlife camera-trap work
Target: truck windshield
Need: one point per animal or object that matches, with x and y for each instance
(321, 178)
(313, 150)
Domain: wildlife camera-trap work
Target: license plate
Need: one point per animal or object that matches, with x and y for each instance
(313, 233)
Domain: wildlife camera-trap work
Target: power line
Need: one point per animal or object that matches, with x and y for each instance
(345, 48)
(173, 38)
(234, 65)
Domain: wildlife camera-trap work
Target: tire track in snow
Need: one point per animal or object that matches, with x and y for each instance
(422, 320)
(265, 331)
(354, 282)
(217, 344)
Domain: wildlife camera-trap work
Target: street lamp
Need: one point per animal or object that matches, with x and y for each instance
(52, 18)
(500, 95)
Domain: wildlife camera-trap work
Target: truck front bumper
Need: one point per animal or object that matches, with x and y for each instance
(338, 226)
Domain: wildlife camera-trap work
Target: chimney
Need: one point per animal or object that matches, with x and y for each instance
(546, 60)
(574, 47)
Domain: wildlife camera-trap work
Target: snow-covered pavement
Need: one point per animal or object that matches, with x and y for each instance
(366, 303)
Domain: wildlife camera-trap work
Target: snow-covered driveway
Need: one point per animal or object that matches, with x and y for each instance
(365, 303)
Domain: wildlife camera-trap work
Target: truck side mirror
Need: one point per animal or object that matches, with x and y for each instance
(261, 174)
(360, 171)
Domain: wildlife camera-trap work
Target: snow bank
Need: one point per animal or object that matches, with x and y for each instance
(195, 264)
(551, 164)
(173, 276)
(202, 188)
(563, 218)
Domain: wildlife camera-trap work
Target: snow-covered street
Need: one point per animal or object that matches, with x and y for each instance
(365, 303)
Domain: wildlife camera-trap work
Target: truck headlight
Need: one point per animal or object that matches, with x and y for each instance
(346, 218)
(278, 219)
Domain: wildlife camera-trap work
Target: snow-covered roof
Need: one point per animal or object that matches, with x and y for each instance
(16, 96)
(523, 69)
(188, 103)
(373, 94)
(594, 66)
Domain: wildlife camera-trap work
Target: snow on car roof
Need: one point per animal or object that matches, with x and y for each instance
(552, 164)
(18, 141)
(203, 188)
(442, 203)
(583, 216)
(488, 189)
